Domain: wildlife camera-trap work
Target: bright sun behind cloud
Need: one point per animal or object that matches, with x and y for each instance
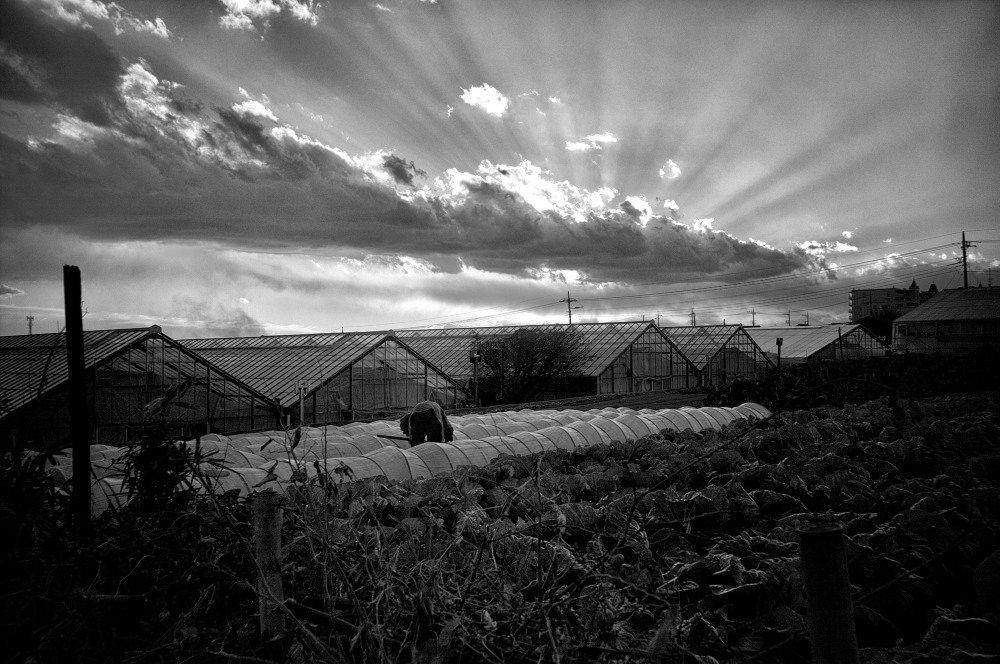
(295, 165)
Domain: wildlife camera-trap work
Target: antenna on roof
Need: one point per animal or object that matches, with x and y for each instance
(31, 319)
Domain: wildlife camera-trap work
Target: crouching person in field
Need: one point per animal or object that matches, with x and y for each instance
(427, 422)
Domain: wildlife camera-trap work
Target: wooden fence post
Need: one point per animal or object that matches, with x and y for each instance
(831, 612)
(267, 540)
(77, 395)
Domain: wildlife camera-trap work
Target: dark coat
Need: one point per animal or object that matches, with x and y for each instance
(427, 422)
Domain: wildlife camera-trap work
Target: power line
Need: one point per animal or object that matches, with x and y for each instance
(829, 294)
(464, 319)
(569, 308)
(766, 280)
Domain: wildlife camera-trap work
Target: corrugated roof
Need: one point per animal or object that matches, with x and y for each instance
(801, 341)
(274, 365)
(33, 364)
(957, 304)
(701, 343)
(448, 348)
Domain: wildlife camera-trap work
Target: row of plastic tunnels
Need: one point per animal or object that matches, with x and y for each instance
(271, 460)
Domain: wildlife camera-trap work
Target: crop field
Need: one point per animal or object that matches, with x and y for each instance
(270, 460)
(675, 546)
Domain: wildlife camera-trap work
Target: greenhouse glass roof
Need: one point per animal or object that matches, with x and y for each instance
(701, 343)
(33, 364)
(448, 348)
(802, 341)
(957, 304)
(275, 365)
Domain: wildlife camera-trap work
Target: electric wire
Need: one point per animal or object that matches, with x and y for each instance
(718, 305)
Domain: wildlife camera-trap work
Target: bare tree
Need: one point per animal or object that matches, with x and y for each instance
(516, 367)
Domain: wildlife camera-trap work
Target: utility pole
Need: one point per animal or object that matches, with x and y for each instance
(693, 319)
(789, 318)
(569, 308)
(753, 317)
(31, 320)
(965, 263)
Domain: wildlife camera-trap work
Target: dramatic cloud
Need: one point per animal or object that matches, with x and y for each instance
(51, 61)
(249, 14)
(487, 98)
(159, 166)
(161, 175)
(670, 170)
(80, 12)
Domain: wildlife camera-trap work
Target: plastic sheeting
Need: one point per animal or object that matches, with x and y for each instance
(246, 463)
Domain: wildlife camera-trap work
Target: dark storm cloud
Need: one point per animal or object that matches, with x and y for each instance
(305, 197)
(167, 170)
(45, 61)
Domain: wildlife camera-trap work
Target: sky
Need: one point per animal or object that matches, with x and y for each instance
(247, 167)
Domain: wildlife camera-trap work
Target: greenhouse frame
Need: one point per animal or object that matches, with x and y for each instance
(720, 352)
(624, 357)
(955, 321)
(815, 343)
(330, 377)
(135, 378)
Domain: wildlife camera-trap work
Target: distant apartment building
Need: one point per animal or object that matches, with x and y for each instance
(866, 302)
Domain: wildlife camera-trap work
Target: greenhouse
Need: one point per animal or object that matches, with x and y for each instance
(621, 357)
(134, 378)
(955, 321)
(320, 378)
(813, 343)
(720, 352)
